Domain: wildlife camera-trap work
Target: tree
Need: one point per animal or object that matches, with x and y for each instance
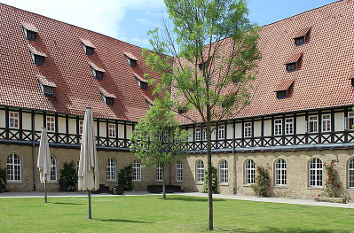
(68, 177)
(212, 61)
(157, 140)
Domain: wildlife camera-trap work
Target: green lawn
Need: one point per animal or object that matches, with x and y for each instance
(176, 214)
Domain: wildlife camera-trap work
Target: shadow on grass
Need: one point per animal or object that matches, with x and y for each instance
(121, 220)
(277, 230)
(65, 203)
(189, 198)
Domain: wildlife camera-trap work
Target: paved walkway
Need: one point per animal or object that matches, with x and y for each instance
(194, 194)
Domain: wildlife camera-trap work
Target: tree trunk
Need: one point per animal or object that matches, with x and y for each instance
(210, 175)
(163, 182)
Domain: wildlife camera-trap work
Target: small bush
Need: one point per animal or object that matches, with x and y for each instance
(214, 180)
(68, 177)
(333, 184)
(125, 178)
(262, 185)
(3, 180)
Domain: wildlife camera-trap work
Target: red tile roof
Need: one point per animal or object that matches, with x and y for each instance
(88, 43)
(302, 32)
(68, 67)
(130, 55)
(36, 52)
(44, 81)
(284, 85)
(96, 67)
(105, 93)
(140, 78)
(293, 58)
(30, 27)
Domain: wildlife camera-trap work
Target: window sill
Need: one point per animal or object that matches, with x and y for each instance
(136, 180)
(280, 186)
(315, 188)
(111, 180)
(199, 183)
(247, 185)
(223, 184)
(14, 181)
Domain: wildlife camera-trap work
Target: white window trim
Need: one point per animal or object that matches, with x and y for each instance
(221, 132)
(56, 170)
(350, 169)
(199, 171)
(197, 134)
(50, 120)
(16, 118)
(179, 171)
(278, 127)
(316, 171)
(223, 172)
(159, 173)
(112, 130)
(13, 170)
(289, 124)
(350, 116)
(280, 169)
(136, 170)
(247, 127)
(314, 120)
(111, 170)
(329, 120)
(249, 172)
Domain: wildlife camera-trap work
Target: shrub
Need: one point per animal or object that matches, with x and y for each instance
(68, 177)
(3, 180)
(333, 184)
(214, 180)
(125, 178)
(262, 185)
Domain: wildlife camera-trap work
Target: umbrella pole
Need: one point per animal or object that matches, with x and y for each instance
(89, 197)
(45, 192)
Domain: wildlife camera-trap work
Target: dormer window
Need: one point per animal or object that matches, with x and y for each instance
(283, 88)
(351, 77)
(352, 82)
(301, 36)
(30, 31)
(87, 46)
(203, 65)
(107, 97)
(131, 59)
(97, 71)
(142, 83)
(149, 102)
(47, 87)
(292, 62)
(37, 57)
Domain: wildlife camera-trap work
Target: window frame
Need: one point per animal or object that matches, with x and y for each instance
(314, 122)
(278, 127)
(179, 171)
(223, 172)
(12, 167)
(112, 130)
(136, 170)
(159, 173)
(199, 171)
(111, 170)
(326, 124)
(221, 132)
(301, 40)
(53, 169)
(247, 128)
(315, 172)
(280, 173)
(293, 66)
(50, 124)
(350, 173)
(289, 127)
(350, 120)
(30, 35)
(15, 117)
(197, 134)
(249, 172)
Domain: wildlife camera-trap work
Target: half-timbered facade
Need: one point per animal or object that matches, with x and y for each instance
(300, 114)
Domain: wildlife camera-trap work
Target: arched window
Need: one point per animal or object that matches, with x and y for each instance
(250, 172)
(136, 170)
(179, 173)
(315, 172)
(223, 172)
(351, 173)
(199, 173)
(53, 169)
(14, 168)
(159, 173)
(280, 172)
(111, 170)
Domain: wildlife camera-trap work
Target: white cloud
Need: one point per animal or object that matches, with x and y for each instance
(101, 16)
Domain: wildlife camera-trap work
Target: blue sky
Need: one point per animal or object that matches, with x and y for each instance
(129, 20)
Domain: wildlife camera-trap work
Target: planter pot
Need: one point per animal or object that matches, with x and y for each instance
(342, 200)
(118, 190)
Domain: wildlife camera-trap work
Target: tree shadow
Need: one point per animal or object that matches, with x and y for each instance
(189, 198)
(122, 220)
(65, 203)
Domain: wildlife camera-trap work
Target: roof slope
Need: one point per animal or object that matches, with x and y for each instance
(326, 62)
(68, 67)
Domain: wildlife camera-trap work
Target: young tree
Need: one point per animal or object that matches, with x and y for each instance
(157, 140)
(213, 54)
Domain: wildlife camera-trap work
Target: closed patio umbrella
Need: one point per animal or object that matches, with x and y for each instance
(88, 166)
(43, 162)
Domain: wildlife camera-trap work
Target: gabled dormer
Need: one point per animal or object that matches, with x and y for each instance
(30, 31)
(47, 87)
(107, 97)
(131, 59)
(283, 88)
(37, 56)
(149, 102)
(87, 46)
(301, 36)
(97, 71)
(351, 77)
(292, 62)
(142, 83)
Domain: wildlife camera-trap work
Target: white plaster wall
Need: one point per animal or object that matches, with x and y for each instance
(339, 122)
(120, 130)
(38, 122)
(61, 125)
(26, 121)
(129, 131)
(2, 118)
(300, 125)
(102, 129)
(230, 132)
(72, 126)
(238, 130)
(267, 127)
(257, 128)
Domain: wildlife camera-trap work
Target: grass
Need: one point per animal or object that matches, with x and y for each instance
(176, 214)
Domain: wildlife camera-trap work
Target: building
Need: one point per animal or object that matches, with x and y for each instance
(299, 117)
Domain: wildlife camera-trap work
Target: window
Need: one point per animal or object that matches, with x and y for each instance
(352, 82)
(278, 125)
(247, 131)
(109, 101)
(81, 126)
(199, 174)
(326, 123)
(89, 50)
(313, 124)
(281, 94)
(291, 66)
(87, 46)
(350, 120)
(131, 62)
(97, 74)
(30, 35)
(50, 124)
(111, 170)
(250, 172)
(315, 173)
(149, 104)
(221, 131)
(204, 134)
(111, 130)
(141, 84)
(14, 168)
(289, 126)
(136, 170)
(223, 172)
(197, 134)
(47, 90)
(351, 173)
(280, 172)
(37, 59)
(159, 173)
(53, 169)
(13, 120)
(179, 171)
(300, 40)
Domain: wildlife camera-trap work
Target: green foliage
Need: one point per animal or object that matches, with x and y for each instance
(125, 178)
(333, 184)
(262, 185)
(3, 180)
(214, 187)
(68, 177)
